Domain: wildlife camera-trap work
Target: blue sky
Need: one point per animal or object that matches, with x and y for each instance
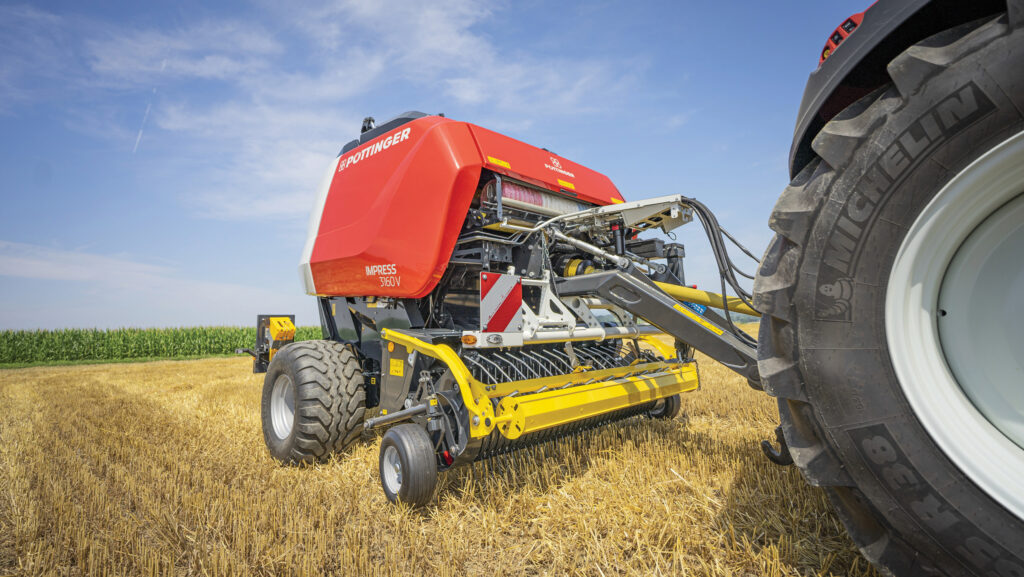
(158, 163)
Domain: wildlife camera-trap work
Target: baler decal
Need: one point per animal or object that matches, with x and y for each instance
(501, 296)
(372, 149)
(379, 269)
(556, 166)
(387, 274)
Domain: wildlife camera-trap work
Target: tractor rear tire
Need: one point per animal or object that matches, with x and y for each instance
(408, 465)
(313, 401)
(829, 285)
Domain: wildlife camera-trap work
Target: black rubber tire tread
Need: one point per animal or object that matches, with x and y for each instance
(832, 374)
(330, 400)
(669, 410)
(419, 464)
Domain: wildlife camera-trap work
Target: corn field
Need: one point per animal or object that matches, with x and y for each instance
(64, 345)
(160, 469)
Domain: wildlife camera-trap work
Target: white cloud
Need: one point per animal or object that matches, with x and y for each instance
(278, 89)
(277, 156)
(33, 46)
(450, 44)
(39, 262)
(423, 36)
(119, 291)
(209, 50)
(678, 120)
(355, 73)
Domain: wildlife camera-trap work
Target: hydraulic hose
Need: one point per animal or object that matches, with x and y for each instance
(706, 298)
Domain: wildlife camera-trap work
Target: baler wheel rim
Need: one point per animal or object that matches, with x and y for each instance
(407, 465)
(282, 406)
(391, 470)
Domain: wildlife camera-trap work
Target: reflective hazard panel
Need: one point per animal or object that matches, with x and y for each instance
(501, 296)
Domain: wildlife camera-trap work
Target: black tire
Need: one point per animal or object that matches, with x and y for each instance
(418, 465)
(329, 401)
(823, 351)
(669, 409)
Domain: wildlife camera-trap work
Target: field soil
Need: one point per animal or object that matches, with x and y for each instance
(160, 468)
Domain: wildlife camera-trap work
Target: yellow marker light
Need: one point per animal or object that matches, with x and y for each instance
(391, 347)
(469, 340)
(566, 184)
(498, 162)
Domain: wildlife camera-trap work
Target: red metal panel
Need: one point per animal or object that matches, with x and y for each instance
(392, 217)
(396, 204)
(537, 166)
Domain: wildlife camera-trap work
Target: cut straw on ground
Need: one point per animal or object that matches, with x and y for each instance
(160, 469)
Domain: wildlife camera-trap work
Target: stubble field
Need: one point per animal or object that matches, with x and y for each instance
(160, 469)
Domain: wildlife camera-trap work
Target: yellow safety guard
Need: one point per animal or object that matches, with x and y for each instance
(537, 404)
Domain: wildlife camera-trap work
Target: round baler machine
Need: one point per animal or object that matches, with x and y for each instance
(478, 295)
(487, 296)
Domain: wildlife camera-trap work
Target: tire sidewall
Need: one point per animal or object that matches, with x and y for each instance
(852, 246)
(392, 441)
(280, 449)
(418, 460)
(329, 400)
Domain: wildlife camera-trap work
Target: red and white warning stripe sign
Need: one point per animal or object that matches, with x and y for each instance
(501, 296)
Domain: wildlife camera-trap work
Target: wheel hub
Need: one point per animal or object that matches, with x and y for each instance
(282, 406)
(392, 470)
(981, 318)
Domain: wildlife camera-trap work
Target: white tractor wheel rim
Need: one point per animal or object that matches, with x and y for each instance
(391, 470)
(962, 372)
(282, 406)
